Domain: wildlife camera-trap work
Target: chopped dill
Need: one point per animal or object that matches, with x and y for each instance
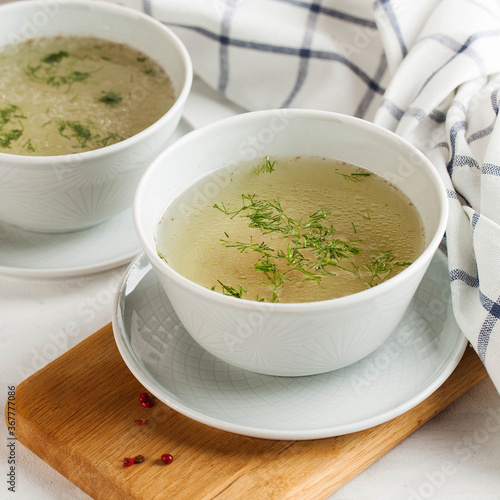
(8, 136)
(312, 250)
(79, 132)
(231, 291)
(110, 98)
(55, 57)
(29, 146)
(48, 73)
(302, 247)
(110, 138)
(150, 72)
(267, 166)
(311, 245)
(7, 113)
(85, 134)
(381, 266)
(161, 255)
(354, 177)
(261, 248)
(75, 76)
(367, 216)
(31, 71)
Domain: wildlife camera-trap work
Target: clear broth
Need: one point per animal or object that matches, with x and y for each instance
(67, 95)
(336, 209)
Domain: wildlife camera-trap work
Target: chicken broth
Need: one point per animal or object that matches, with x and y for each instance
(67, 95)
(290, 230)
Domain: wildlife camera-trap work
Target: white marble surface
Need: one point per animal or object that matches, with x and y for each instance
(455, 456)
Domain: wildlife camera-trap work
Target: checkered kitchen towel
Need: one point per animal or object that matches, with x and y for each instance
(428, 70)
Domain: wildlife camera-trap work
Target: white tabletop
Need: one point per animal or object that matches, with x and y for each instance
(455, 456)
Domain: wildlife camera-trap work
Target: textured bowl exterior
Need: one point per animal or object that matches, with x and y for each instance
(291, 339)
(78, 191)
(71, 192)
(271, 341)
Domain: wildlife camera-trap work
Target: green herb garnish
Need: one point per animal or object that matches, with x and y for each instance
(110, 138)
(267, 166)
(231, 291)
(31, 71)
(381, 266)
(367, 216)
(161, 255)
(75, 76)
(354, 177)
(312, 250)
(79, 132)
(263, 214)
(150, 72)
(110, 98)
(54, 80)
(11, 135)
(309, 246)
(50, 74)
(55, 57)
(7, 136)
(87, 134)
(7, 113)
(29, 146)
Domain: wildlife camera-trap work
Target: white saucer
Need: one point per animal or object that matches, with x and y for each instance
(412, 364)
(105, 246)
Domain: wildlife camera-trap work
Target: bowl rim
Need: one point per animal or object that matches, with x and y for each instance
(111, 9)
(290, 307)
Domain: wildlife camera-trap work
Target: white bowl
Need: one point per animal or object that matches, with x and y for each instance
(290, 339)
(70, 192)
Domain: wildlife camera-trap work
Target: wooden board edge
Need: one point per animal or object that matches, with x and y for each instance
(470, 371)
(74, 468)
(55, 454)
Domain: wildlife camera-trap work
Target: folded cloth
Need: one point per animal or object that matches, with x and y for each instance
(427, 70)
(443, 97)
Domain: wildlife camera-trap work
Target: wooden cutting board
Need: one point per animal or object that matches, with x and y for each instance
(77, 414)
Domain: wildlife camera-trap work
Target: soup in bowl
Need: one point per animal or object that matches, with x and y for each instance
(290, 242)
(90, 93)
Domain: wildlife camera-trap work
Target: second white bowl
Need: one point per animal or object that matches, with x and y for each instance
(70, 192)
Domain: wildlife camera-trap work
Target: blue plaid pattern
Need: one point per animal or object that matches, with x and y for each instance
(387, 5)
(310, 50)
(317, 7)
(493, 309)
(305, 54)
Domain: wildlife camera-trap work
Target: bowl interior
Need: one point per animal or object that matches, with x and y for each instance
(288, 133)
(21, 21)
